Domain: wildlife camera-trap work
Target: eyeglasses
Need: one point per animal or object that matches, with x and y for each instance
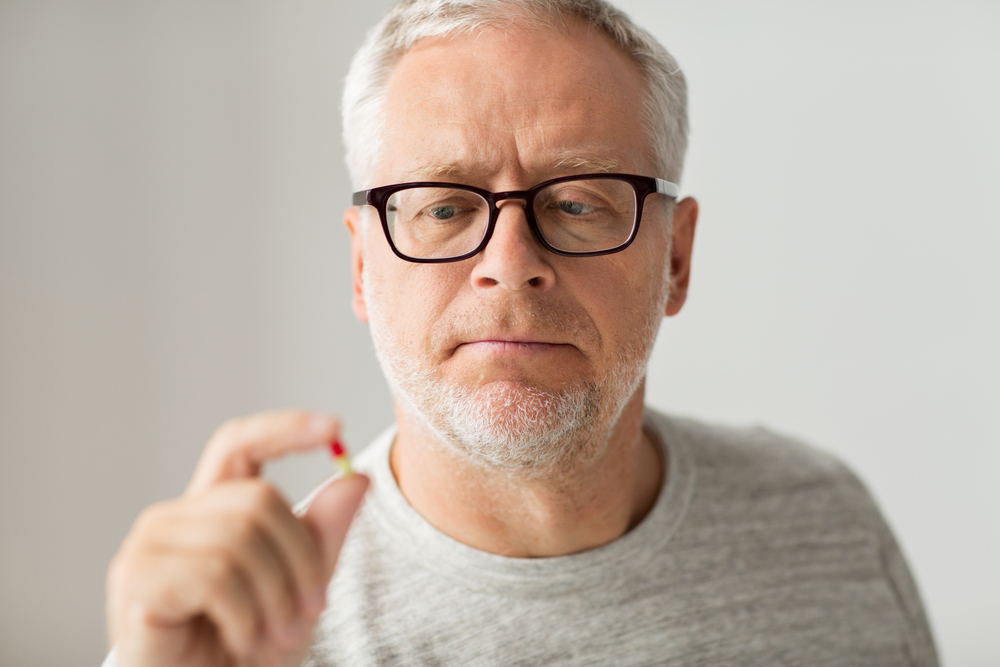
(575, 216)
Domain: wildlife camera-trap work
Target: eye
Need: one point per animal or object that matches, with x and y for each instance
(442, 212)
(574, 207)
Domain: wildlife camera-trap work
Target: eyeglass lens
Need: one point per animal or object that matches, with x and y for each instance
(582, 215)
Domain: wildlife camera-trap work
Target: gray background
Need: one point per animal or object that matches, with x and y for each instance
(171, 254)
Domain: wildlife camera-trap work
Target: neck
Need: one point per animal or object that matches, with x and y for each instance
(565, 512)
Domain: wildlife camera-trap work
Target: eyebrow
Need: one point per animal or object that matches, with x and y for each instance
(431, 171)
(588, 165)
(565, 162)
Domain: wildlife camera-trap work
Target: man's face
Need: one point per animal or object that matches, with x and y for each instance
(517, 356)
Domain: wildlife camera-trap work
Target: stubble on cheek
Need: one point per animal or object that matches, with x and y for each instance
(421, 315)
(503, 423)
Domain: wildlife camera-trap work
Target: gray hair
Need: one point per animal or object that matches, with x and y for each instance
(664, 109)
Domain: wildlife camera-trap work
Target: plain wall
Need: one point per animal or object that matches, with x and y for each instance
(172, 254)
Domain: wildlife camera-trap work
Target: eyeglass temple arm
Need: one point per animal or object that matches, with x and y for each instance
(360, 198)
(663, 187)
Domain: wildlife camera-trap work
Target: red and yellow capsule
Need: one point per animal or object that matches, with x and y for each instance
(341, 459)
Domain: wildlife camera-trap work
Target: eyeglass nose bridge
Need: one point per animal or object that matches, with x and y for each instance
(525, 197)
(512, 194)
(495, 199)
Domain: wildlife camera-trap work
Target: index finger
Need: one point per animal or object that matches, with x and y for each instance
(239, 448)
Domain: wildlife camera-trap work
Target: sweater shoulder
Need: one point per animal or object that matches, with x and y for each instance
(755, 461)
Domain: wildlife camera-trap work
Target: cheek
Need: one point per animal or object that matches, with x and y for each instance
(633, 290)
(652, 269)
(407, 299)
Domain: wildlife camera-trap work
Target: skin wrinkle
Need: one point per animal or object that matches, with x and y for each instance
(662, 99)
(432, 100)
(502, 428)
(530, 451)
(570, 161)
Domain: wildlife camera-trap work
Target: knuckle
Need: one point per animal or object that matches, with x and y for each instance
(134, 614)
(147, 527)
(228, 430)
(126, 565)
(246, 531)
(150, 517)
(121, 571)
(222, 576)
(263, 498)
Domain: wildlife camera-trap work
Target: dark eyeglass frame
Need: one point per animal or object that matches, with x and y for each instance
(643, 186)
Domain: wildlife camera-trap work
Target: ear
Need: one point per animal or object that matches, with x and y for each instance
(356, 228)
(685, 220)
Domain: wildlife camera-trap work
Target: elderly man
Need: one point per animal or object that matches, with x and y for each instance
(517, 238)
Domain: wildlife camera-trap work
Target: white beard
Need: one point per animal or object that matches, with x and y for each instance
(507, 425)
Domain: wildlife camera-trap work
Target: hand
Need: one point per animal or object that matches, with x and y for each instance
(227, 574)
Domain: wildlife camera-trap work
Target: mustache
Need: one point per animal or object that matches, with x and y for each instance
(531, 317)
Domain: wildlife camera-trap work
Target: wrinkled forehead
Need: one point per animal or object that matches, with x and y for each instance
(517, 100)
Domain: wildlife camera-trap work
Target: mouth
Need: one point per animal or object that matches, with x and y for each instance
(507, 346)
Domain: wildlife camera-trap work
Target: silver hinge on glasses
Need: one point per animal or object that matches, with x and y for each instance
(667, 188)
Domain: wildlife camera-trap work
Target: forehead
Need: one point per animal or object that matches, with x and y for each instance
(518, 102)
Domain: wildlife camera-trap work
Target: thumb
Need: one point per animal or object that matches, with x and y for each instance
(330, 513)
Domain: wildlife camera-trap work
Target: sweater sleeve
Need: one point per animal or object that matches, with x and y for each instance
(918, 632)
(919, 640)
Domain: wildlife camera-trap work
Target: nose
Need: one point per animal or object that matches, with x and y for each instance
(513, 258)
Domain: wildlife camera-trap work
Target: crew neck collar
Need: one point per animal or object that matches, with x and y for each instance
(428, 548)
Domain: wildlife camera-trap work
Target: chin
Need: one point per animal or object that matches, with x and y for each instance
(511, 426)
(514, 425)
(516, 412)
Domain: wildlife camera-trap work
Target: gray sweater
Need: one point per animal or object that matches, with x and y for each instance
(758, 551)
